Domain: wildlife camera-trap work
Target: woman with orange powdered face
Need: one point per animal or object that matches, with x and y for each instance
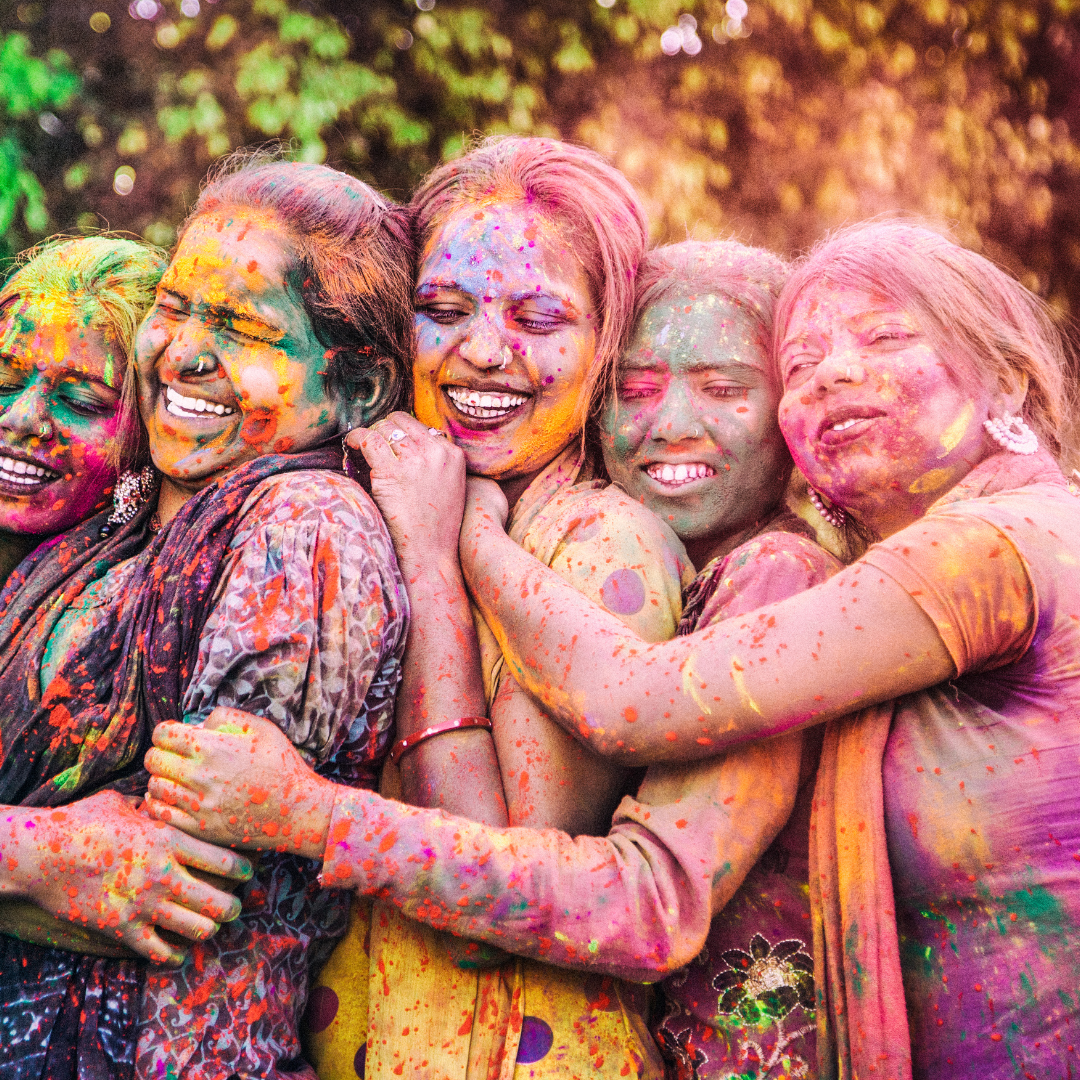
(524, 297)
(240, 568)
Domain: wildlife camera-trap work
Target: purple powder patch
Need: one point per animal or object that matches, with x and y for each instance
(623, 593)
(536, 1040)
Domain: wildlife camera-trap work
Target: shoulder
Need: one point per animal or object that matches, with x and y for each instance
(605, 517)
(310, 495)
(766, 569)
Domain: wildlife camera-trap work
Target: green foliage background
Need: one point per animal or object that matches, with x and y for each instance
(816, 111)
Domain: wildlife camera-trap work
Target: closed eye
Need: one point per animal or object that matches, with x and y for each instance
(445, 314)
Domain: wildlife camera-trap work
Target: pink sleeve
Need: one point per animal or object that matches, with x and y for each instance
(637, 903)
(971, 581)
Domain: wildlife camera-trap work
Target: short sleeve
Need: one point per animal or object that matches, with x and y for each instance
(971, 581)
(310, 615)
(621, 556)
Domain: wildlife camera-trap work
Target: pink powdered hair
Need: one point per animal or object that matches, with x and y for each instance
(593, 205)
(983, 323)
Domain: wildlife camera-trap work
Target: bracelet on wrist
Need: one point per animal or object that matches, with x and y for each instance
(410, 742)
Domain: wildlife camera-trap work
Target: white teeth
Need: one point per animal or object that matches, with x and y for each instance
(15, 471)
(680, 474)
(179, 405)
(845, 424)
(484, 406)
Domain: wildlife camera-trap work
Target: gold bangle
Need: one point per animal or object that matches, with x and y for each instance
(410, 742)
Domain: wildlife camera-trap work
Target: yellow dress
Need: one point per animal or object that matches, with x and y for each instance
(391, 1002)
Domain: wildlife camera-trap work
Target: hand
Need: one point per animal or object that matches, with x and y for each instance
(101, 864)
(418, 483)
(238, 780)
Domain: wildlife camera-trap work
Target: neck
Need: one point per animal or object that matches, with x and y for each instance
(515, 487)
(171, 497)
(14, 547)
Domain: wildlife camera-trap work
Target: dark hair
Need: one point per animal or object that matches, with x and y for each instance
(578, 191)
(355, 260)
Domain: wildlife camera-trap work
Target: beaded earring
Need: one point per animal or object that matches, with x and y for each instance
(131, 491)
(834, 515)
(1012, 434)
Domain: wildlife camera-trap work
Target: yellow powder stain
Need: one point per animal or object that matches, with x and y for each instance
(689, 678)
(951, 436)
(740, 685)
(929, 481)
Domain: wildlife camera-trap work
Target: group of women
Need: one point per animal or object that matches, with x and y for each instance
(532, 654)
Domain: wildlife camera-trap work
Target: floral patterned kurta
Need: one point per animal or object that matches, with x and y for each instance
(307, 629)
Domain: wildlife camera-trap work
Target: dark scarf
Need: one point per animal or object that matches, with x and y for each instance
(92, 726)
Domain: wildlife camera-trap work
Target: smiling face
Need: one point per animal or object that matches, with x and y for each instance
(505, 336)
(873, 415)
(691, 430)
(59, 388)
(229, 365)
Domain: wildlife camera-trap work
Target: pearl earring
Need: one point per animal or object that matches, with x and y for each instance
(836, 516)
(1012, 434)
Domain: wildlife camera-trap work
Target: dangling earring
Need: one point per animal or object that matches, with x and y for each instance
(1012, 434)
(836, 516)
(131, 491)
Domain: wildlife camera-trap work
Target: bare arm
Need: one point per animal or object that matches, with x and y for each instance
(457, 772)
(636, 903)
(854, 640)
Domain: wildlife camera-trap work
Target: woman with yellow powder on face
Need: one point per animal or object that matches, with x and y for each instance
(528, 250)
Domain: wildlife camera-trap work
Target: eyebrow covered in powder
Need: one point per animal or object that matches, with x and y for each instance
(229, 313)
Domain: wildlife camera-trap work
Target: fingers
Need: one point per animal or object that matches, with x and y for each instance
(172, 802)
(212, 859)
(376, 450)
(171, 766)
(185, 922)
(235, 722)
(177, 738)
(142, 938)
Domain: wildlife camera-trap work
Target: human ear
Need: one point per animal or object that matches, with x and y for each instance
(1011, 396)
(370, 397)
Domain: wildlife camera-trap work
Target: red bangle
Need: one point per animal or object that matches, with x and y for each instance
(403, 746)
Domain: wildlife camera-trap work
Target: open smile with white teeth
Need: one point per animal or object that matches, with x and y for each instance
(677, 475)
(25, 474)
(190, 407)
(484, 406)
(845, 424)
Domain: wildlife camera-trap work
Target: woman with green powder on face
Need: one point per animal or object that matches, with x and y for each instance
(68, 315)
(706, 870)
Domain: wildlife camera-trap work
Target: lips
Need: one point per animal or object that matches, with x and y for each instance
(847, 423)
(685, 472)
(24, 474)
(483, 404)
(194, 408)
